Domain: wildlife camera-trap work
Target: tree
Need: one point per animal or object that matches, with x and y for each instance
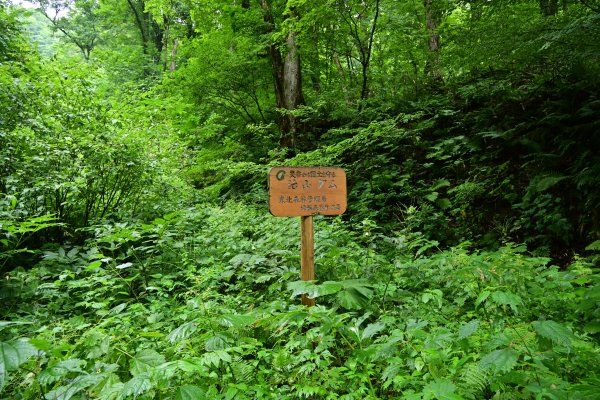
(360, 19)
(151, 33)
(174, 19)
(77, 19)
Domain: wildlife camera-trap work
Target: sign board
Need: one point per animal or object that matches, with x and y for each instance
(304, 191)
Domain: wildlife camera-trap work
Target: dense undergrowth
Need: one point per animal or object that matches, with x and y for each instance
(204, 304)
(137, 257)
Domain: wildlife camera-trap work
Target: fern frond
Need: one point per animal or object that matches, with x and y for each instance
(474, 380)
(586, 169)
(242, 371)
(307, 392)
(541, 183)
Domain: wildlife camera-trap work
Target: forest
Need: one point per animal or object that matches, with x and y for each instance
(138, 257)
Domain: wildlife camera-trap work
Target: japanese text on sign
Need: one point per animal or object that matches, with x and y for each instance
(302, 191)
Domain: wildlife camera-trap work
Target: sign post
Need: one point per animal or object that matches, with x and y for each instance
(307, 254)
(304, 192)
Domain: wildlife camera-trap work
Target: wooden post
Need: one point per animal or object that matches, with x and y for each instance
(307, 254)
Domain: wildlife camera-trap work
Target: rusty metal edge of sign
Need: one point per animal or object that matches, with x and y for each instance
(343, 205)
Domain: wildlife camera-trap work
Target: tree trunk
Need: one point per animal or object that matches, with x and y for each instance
(292, 84)
(434, 43)
(165, 40)
(174, 55)
(276, 62)
(340, 69)
(549, 7)
(287, 82)
(364, 94)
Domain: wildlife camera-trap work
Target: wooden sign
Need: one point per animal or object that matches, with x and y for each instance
(303, 191)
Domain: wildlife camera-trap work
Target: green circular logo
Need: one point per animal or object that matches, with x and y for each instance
(280, 175)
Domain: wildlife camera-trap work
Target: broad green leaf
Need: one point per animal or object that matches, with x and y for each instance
(145, 361)
(554, 331)
(330, 287)
(468, 329)
(302, 287)
(508, 299)
(238, 320)
(547, 182)
(4, 324)
(482, 297)
(441, 390)
(214, 358)
(265, 278)
(432, 294)
(502, 360)
(12, 355)
(189, 392)
(217, 342)
(182, 332)
(355, 294)
(73, 252)
(189, 365)
(290, 318)
(429, 244)
(55, 372)
(97, 343)
(353, 298)
(74, 387)
(150, 334)
(312, 289)
(136, 386)
(117, 309)
(371, 330)
(592, 295)
(43, 344)
(108, 386)
(93, 266)
(172, 367)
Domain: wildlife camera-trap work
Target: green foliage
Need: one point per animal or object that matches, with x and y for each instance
(12, 355)
(120, 280)
(15, 234)
(11, 40)
(68, 153)
(198, 303)
(351, 294)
